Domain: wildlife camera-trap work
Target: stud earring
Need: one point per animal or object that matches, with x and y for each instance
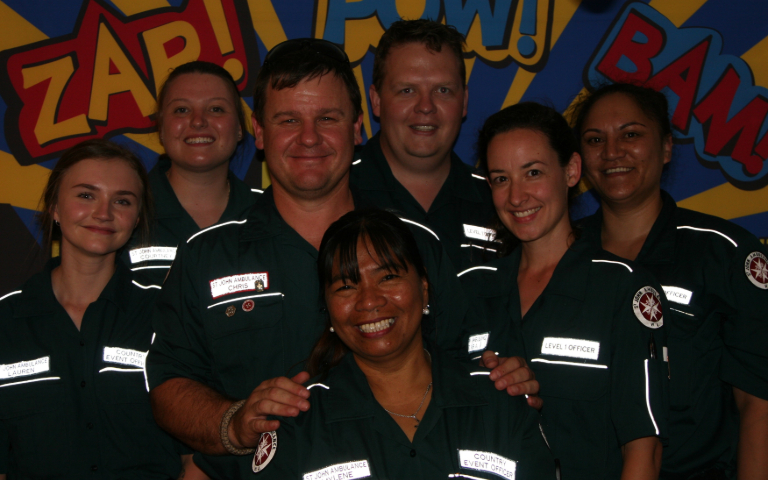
(57, 223)
(425, 310)
(332, 330)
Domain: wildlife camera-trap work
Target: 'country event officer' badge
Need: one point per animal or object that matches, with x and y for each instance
(647, 306)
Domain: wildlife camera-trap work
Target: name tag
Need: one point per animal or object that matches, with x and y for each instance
(488, 462)
(25, 368)
(245, 282)
(357, 469)
(570, 347)
(677, 294)
(125, 356)
(479, 233)
(152, 253)
(478, 342)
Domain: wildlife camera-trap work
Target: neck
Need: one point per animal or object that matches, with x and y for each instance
(80, 279)
(546, 252)
(204, 195)
(311, 217)
(422, 177)
(625, 228)
(400, 379)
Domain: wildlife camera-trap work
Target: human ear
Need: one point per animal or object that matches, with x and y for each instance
(375, 100)
(573, 170)
(667, 148)
(258, 133)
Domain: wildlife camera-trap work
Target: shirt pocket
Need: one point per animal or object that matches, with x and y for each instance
(572, 379)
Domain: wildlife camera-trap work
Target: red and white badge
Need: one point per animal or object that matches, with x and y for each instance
(248, 305)
(265, 451)
(756, 268)
(647, 306)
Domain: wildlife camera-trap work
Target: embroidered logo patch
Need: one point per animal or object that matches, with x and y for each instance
(478, 342)
(647, 306)
(677, 294)
(357, 469)
(25, 368)
(248, 305)
(570, 347)
(756, 268)
(245, 282)
(125, 356)
(488, 462)
(152, 253)
(479, 233)
(265, 451)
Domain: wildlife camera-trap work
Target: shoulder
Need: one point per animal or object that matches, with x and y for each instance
(489, 279)
(216, 232)
(715, 231)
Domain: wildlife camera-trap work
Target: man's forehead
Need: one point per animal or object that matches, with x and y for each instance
(325, 91)
(415, 50)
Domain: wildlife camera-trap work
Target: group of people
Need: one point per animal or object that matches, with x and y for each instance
(384, 311)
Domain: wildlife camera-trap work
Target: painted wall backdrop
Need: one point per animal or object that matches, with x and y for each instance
(77, 69)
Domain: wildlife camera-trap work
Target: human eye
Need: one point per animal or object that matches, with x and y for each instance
(124, 201)
(218, 109)
(444, 90)
(86, 195)
(180, 110)
(593, 140)
(498, 179)
(534, 172)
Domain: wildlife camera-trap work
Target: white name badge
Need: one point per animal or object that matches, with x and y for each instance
(358, 469)
(152, 253)
(25, 368)
(244, 282)
(570, 347)
(488, 462)
(125, 356)
(479, 233)
(478, 342)
(677, 294)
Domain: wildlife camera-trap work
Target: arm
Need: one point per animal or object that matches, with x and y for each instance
(642, 459)
(192, 412)
(514, 375)
(753, 436)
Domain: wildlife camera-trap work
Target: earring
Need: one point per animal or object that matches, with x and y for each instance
(57, 223)
(425, 310)
(332, 330)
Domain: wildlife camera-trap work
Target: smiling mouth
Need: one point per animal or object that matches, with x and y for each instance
(424, 128)
(525, 213)
(376, 326)
(617, 170)
(198, 140)
(103, 231)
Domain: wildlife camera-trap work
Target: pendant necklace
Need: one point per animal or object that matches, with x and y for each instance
(429, 387)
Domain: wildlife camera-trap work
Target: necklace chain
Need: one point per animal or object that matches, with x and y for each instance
(429, 387)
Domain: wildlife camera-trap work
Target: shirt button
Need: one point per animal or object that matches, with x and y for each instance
(82, 384)
(94, 468)
(413, 453)
(90, 426)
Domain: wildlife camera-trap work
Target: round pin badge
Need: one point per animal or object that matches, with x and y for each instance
(265, 451)
(230, 310)
(756, 268)
(248, 305)
(259, 286)
(647, 306)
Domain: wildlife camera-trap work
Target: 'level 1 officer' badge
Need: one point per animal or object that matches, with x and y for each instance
(647, 306)
(265, 451)
(230, 310)
(248, 305)
(756, 268)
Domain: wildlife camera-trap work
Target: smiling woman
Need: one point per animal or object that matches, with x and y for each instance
(384, 403)
(74, 338)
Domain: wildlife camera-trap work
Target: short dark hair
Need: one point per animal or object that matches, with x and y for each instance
(431, 34)
(527, 116)
(653, 104)
(206, 68)
(96, 149)
(391, 241)
(289, 69)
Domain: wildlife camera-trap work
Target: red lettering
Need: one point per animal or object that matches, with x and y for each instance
(682, 77)
(639, 53)
(739, 133)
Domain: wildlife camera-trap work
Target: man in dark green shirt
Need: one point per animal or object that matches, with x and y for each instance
(419, 94)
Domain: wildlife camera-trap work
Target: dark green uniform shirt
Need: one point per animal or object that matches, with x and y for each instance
(468, 428)
(714, 275)
(460, 215)
(242, 305)
(173, 225)
(74, 404)
(589, 338)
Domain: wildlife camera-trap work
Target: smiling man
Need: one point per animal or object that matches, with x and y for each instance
(420, 95)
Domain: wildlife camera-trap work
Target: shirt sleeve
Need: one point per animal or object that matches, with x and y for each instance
(5, 448)
(179, 348)
(745, 328)
(639, 384)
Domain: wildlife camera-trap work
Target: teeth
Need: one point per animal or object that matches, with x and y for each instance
(526, 213)
(424, 128)
(199, 140)
(617, 170)
(377, 326)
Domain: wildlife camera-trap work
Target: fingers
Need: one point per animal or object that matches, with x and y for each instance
(489, 359)
(511, 365)
(535, 401)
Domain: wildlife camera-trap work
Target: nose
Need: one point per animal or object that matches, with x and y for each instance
(309, 136)
(199, 119)
(517, 194)
(369, 298)
(612, 149)
(426, 103)
(103, 211)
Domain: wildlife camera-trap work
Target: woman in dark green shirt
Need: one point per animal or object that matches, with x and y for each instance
(382, 405)
(73, 340)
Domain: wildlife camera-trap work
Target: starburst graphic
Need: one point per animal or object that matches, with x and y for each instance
(263, 449)
(650, 307)
(760, 270)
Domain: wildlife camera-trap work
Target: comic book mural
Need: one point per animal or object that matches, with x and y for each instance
(71, 70)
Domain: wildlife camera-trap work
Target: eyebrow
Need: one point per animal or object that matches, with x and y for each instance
(88, 186)
(621, 127)
(224, 99)
(294, 113)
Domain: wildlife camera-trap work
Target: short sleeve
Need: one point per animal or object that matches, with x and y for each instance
(639, 385)
(179, 348)
(745, 329)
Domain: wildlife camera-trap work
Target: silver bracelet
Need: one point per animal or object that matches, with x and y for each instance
(224, 431)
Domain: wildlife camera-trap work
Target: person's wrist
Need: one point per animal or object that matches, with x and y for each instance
(226, 431)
